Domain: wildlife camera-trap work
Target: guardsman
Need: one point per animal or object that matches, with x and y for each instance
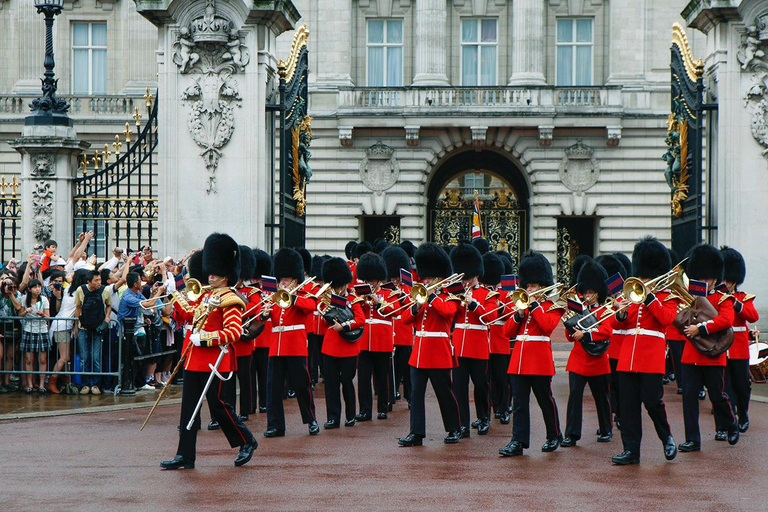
(350, 251)
(396, 260)
(532, 364)
(317, 330)
(676, 342)
(262, 341)
(432, 357)
(498, 357)
(360, 249)
(217, 321)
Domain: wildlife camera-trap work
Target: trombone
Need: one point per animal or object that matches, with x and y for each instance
(520, 299)
(419, 294)
(284, 298)
(192, 292)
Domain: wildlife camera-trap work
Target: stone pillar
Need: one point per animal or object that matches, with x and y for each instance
(627, 49)
(528, 43)
(215, 60)
(332, 38)
(431, 53)
(48, 166)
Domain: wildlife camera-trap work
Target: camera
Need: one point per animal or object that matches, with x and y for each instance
(57, 286)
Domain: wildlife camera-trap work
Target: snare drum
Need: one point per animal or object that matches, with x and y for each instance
(758, 362)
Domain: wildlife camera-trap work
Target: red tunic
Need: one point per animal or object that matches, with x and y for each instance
(532, 353)
(499, 342)
(289, 328)
(748, 313)
(403, 333)
(723, 320)
(470, 336)
(644, 347)
(245, 347)
(264, 340)
(432, 342)
(580, 361)
(378, 335)
(336, 346)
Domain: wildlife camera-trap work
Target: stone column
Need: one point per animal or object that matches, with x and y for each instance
(627, 49)
(331, 43)
(431, 53)
(48, 166)
(528, 43)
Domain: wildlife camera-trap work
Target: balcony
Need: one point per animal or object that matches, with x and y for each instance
(122, 106)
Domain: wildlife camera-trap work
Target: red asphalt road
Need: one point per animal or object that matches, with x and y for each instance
(101, 461)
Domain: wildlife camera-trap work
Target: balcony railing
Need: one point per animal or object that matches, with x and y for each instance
(119, 105)
(500, 97)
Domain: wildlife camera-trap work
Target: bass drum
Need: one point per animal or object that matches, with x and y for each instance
(758, 362)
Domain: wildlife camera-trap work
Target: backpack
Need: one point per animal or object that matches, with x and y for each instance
(93, 311)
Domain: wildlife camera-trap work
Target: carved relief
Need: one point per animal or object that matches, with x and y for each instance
(379, 169)
(752, 56)
(579, 169)
(211, 49)
(42, 208)
(42, 165)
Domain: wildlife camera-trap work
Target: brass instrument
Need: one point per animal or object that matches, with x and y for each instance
(420, 294)
(284, 298)
(520, 299)
(191, 293)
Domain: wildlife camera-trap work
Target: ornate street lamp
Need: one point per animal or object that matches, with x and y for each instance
(49, 110)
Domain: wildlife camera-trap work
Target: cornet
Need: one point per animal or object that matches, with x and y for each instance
(420, 294)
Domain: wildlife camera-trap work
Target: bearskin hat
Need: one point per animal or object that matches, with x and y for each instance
(535, 268)
(735, 268)
(409, 248)
(336, 272)
(467, 260)
(263, 263)
(306, 258)
(506, 259)
(379, 247)
(221, 257)
(288, 263)
(432, 261)
(493, 268)
(482, 245)
(247, 263)
(705, 262)
(371, 267)
(395, 258)
(578, 262)
(612, 265)
(316, 270)
(363, 248)
(673, 257)
(592, 276)
(650, 258)
(349, 249)
(194, 267)
(625, 261)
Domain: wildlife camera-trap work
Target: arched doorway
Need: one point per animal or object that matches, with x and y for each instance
(502, 193)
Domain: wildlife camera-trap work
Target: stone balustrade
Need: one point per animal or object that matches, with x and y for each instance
(80, 106)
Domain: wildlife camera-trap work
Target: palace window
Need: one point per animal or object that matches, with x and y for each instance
(575, 51)
(89, 58)
(479, 51)
(385, 53)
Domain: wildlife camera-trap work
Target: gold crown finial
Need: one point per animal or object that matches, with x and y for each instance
(149, 97)
(127, 132)
(117, 145)
(137, 117)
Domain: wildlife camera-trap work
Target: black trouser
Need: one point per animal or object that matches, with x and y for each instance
(443, 386)
(246, 391)
(314, 342)
(477, 369)
(259, 360)
(600, 388)
(339, 372)
(676, 352)
(714, 378)
(194, 382)
(541, 385)
(615, 389)
(294, 368)
(374, 364)
(500, 391)
(402, 369)
(738, 386)
(642, 389)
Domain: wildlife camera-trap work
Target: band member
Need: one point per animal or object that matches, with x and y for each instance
(482, 245)
(350, 251)
(376, 344)
(396, 259)
(532, 364)
(317, 330)
(432, 357)
(217, 323)
(705, 263)
(360, 249)
(642, 359)
(288, 350)
(738, 384)
(676, 342)
(498, 358)
(470, 338)
(584, 368)
(339, 353)
(410, 250)
(262, 341)
(509, 269)
(613, 266)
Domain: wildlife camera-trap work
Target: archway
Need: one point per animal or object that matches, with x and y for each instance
(502, 194)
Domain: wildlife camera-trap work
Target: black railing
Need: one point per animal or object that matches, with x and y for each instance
(10, 218)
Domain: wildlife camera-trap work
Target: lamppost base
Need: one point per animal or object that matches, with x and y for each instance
(48, 118)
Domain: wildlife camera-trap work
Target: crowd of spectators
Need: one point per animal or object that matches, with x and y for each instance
(62, 318)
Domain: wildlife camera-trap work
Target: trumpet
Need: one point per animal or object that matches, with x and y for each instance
(420, 294)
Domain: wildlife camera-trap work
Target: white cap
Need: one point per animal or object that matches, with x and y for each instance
(59, 262)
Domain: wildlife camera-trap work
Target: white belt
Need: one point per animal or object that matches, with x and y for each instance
(286, 328)
(621, 331)
(743, 328)
(430, 334)
(377, 321)
(472, 327)
(646, 332)
(527, 337)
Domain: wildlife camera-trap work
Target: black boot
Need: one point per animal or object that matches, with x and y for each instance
(178, 462)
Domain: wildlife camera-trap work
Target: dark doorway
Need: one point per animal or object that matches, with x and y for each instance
(380, 226)
(575, 235)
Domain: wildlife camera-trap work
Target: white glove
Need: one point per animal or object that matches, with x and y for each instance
(194, 338)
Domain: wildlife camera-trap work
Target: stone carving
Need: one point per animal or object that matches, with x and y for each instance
(579, 169)
(379, 169)
(42, 165)
(752, 56)
(42, 208)
(211, 49)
